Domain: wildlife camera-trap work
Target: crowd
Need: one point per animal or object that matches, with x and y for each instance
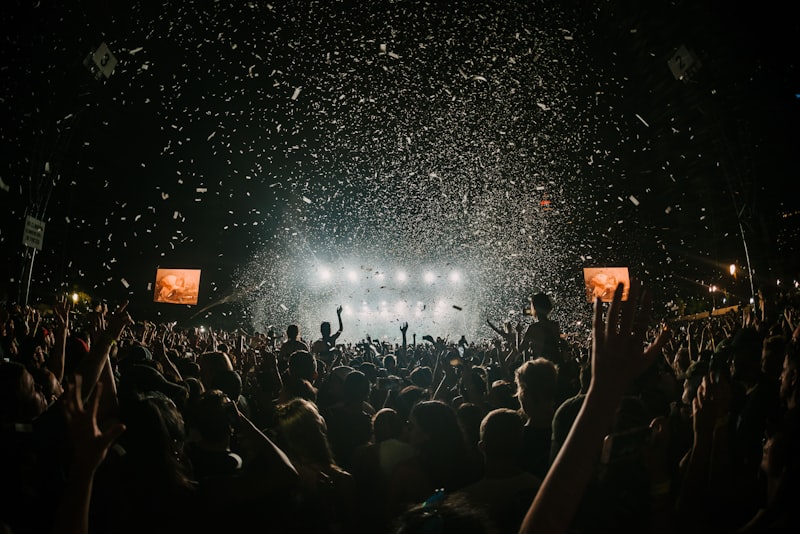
(113, 424)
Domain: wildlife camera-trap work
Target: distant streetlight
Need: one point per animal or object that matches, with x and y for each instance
(733, 270)
(713, 290)
(74, 298)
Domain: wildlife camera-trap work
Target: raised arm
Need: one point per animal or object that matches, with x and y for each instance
(105, 335)
(89, 448)
(618, 358)
(61, 311)
(404, 354)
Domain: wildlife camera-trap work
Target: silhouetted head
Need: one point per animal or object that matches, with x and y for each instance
(292, 331)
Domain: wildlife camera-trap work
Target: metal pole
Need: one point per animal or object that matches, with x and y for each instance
(747, 257)
(30, 275)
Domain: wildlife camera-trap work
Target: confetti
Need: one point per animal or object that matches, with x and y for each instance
(420, 149)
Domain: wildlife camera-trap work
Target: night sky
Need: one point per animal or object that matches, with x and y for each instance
(264, 141)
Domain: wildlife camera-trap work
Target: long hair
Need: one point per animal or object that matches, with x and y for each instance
(444, 455)
(302, 432)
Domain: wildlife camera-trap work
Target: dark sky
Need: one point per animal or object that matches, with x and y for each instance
(253, 139)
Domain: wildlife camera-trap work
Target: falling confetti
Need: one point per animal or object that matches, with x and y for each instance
(499, 144)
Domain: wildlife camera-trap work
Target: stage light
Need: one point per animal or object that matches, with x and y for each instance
(325, 274)
(75, 298)
(455, 276)
(402, 276)
(352, 276)
(430, 277)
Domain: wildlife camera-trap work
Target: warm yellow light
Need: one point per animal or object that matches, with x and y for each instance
(75, 298)
(733, 269)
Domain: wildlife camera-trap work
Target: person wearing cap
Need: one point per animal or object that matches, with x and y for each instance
(141, 378)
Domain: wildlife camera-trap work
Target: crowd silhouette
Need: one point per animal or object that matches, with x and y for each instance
(111, 423)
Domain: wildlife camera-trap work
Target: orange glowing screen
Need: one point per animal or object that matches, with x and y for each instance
(602, 281)
(177, 286)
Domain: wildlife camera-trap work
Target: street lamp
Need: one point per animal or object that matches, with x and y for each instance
(713, 290)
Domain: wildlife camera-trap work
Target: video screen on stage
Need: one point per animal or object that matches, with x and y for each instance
(602, 281)
(177, 286)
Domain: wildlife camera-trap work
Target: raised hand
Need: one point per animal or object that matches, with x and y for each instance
(61, 310)
(339, 310)
(404, 328)
(117, 321)
(618, 352)
(90, 445)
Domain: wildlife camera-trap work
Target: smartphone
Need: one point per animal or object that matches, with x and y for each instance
(625, 445)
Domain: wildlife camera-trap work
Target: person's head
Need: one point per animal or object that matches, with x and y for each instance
(387, 424)
(501, 434)
(142, 379)
(292, 331)
(541, 305)
(501, 395)
(356, 387)
(370, 370)
(302, 432)
(212, 364)
(692, 379)
(407, 398)
(422, 376)
(448, 514)
(390, 363)
(536, 384)
(47, 383)
(325, 329)
(303, 365)
(212, 417)
(20, 399)
(302, 389)
(153, 442)
(230, 383)
(475, 380)
(436, 423)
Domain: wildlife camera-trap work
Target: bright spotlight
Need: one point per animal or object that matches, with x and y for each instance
(402, 276)
(430, 277)
(455, 276)
(352, 276)
(325, 274)
(75, 298)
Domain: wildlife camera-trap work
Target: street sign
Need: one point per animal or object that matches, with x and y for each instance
(33, 236)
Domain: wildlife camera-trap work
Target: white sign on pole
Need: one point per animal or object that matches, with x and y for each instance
(33, 236)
